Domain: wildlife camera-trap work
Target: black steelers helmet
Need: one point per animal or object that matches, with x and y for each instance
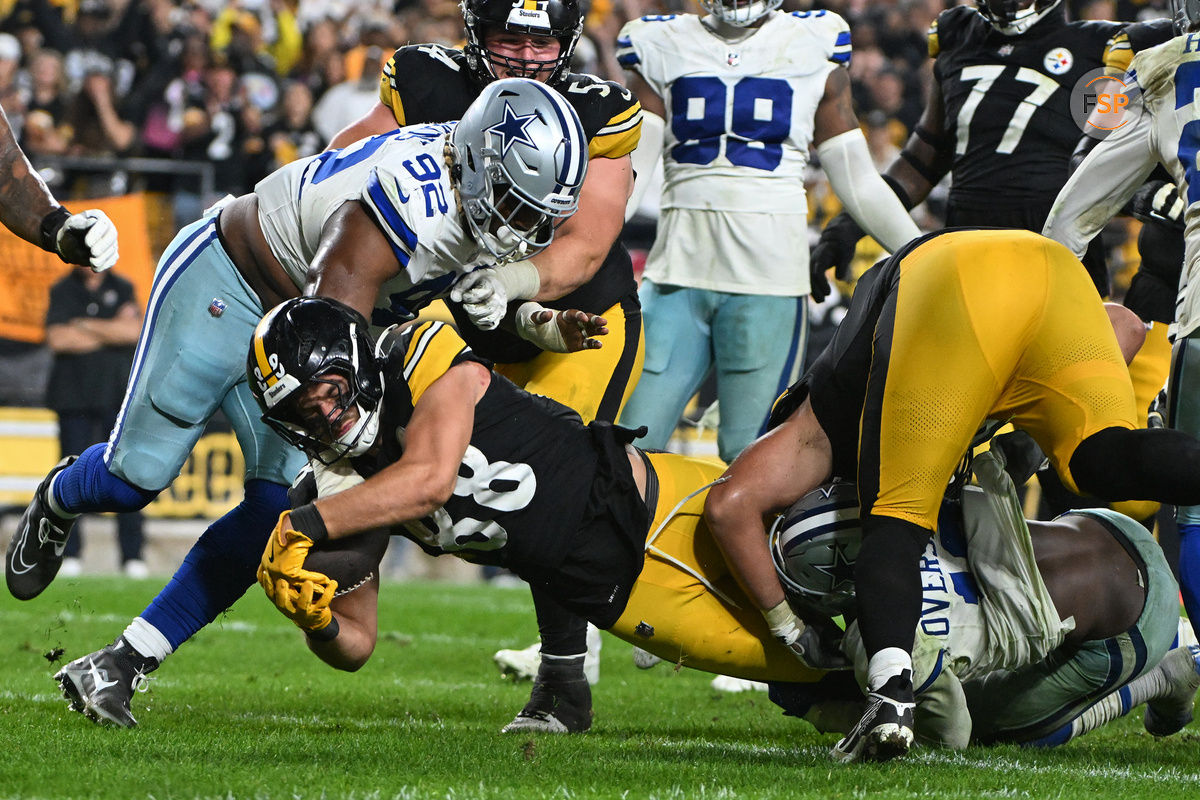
(306, 341)
(561, 19)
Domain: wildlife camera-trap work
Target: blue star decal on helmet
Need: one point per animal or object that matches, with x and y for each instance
(513, 129)
(841, 571)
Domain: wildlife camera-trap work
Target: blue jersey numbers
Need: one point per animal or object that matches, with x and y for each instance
(747, 122)
(1187, 83)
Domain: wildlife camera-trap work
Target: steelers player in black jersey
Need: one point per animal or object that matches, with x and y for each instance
(586, 267)
(998, 118)
(417, 437)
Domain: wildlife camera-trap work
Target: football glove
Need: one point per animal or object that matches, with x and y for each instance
(803, 640)
(302, 595)
(88, 239)
(1158, 201)
(834, 249)
(482, 296)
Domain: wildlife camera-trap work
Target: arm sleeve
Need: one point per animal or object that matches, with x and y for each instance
(645, 159)
(1097, 190)
(865, 195)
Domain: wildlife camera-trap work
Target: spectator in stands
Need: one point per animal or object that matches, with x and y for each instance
(10, 94)
(99, 128)
(292, 135)
(46, 130)
(92, 325)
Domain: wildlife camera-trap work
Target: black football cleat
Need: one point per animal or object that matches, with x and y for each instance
(101, 684)
(36, 550)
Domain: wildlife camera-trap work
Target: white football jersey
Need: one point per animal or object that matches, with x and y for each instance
(1167, 132)
(739, 114)
(402, 180)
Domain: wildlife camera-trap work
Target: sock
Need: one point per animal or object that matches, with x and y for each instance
(886, 664)
(52, 503)
(219, 567)
(147, 640)
(1189, 568)
(87, 485)
(560, 669)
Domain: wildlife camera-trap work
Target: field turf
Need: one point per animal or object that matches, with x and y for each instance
(244, 711)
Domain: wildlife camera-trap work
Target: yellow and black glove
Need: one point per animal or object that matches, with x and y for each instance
(302, 595)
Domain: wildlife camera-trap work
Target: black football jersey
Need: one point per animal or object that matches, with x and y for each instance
(1133, 39)
(525, 488)
(431, 83)
(1007, 103)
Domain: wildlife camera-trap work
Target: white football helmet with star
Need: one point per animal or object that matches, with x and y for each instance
(520, 157)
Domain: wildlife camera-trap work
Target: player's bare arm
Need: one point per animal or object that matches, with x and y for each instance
(424, 477)
(768, 476)
(380, 119)
(927, 154)
(353, 260)
(583, 241)
(27, 201)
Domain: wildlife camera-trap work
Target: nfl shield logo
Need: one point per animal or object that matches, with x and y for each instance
(216, 307)
(733, 58)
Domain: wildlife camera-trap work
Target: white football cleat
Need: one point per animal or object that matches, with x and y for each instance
(725, 683)
(522, 665)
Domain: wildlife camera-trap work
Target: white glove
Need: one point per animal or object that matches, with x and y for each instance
(89, 239)
(485, 292)
(803, 640)
(483, 296)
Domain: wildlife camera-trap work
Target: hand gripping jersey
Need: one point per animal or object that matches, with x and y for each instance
(430, 83)
(1007, 103)
(402, 180)
(1133, 39)
(740, 114)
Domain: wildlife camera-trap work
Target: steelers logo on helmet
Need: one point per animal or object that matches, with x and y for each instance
(814, 545)
(520, 157)
(561, 20)
(309, 346)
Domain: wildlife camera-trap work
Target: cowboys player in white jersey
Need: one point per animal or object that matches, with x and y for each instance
(1162, 127)
(745, 91)
(1031, 632)
(424, 205)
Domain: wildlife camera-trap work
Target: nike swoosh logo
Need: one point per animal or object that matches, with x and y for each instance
(17, 562)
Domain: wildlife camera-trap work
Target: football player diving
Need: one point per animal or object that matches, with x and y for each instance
(417, 209)
(585, 268)
(462, 462)
(957, 328)
(1161, 131)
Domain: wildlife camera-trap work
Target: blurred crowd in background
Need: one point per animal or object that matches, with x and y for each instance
(250, 85)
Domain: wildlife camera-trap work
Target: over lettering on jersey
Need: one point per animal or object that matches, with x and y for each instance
(740, 114)
(1007, 102)
(430, 83)
(525, 477)
(402, 181)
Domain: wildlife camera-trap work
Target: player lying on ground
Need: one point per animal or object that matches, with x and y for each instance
(1024, 625)
(956, 328)
(657, 582)
(422, 206)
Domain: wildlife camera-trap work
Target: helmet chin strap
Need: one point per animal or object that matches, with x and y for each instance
(360, 438)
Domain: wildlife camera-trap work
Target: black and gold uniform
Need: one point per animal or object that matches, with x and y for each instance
(537, 491)
(959, 327)
(555, 501)
(431, 83)
(1007, 115)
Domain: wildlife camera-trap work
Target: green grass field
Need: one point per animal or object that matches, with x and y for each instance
(245, 711)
